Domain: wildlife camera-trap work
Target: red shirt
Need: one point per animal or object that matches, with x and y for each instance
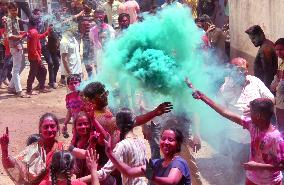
(5, 42)
(34, 47)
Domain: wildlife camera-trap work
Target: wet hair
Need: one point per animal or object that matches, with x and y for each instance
(178, 136)
(73, 77)
(264, 106)
(254, 30)
(32, 139)
(120, 17)
(46, 115)
(279, 42)
(12, 5)
(93, 89)
(124, 121)
(62, 164)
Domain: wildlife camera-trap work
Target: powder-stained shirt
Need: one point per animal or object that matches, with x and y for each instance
(13, 29)
(131, 151)
(70, 46)
(34, 45)
(112, 12)
(132, 8)
(74, 103)
(237, 99)
(267, 148)
(100, 34)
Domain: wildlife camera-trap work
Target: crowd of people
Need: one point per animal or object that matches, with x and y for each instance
(104, 148)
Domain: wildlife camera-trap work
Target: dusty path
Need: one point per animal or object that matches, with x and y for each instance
(22, 115)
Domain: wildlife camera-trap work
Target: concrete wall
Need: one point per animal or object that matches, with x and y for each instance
(269, 14)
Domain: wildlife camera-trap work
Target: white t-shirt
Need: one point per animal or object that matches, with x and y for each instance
(69, 45)
(131, 151)
(237, 99)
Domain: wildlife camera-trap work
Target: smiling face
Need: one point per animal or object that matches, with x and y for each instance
(48, 129)
(83, 126)
(280, 50)
(168, 143)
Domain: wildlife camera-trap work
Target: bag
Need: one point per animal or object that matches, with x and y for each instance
(30, 166)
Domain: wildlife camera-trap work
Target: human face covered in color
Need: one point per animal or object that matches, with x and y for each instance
(48, 128)
(168, 143)
(83, 126)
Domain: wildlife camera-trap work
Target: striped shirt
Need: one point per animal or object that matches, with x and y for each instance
(131, 151)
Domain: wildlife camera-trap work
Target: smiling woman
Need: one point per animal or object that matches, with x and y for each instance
(24, 169)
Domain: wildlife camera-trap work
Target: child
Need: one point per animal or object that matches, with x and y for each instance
(277, 85)
(74, 104)
(62, 167)
(266, 141)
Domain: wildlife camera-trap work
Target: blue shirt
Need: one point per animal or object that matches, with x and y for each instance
(177, 162)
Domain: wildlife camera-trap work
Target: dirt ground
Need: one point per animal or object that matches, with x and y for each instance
(22, 115)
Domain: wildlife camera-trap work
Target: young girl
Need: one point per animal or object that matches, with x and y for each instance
(171, 170)
(267, 147)
(74, 104)
(62, 167)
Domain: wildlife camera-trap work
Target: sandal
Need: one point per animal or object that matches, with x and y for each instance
(22, 95)
(32, 93)
(12, 90)
(44, 90)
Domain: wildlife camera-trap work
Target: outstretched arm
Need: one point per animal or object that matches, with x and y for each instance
(161, 109)
(223, 112)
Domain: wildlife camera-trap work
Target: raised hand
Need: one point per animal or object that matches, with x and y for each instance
(149, 171)
(197, 95)
(163, 108)
(92, 159)
(4, 139)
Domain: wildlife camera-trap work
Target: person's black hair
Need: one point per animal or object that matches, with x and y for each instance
(33, 20)
(178, 136)
(124, 121)
(90, 3)
(93, 89)
(36, 10)
(12, 5)
(73, 77)
(62, 164)
(279, 42)
(264, 106)
(32, 139)
(120, 16)
(99, 11)
(205, 18)
(46, 115)
(196, 20)
(254, 30)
